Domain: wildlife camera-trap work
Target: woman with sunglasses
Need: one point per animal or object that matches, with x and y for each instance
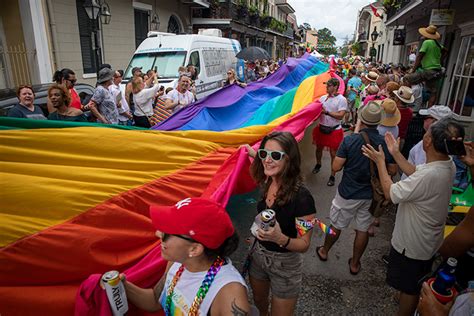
(67, 78)
(197, 236)
(276, 261)
(232, 78)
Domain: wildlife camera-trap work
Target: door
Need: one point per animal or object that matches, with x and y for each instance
(141, 26)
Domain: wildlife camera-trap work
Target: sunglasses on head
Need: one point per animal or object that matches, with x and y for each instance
(166, 236)
(276, 155)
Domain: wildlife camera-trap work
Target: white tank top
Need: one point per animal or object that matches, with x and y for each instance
(188, 286)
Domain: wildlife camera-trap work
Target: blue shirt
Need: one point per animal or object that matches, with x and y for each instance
(356, 83)
(355, 183)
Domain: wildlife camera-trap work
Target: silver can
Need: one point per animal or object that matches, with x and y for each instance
(267, 218)
(115, 292)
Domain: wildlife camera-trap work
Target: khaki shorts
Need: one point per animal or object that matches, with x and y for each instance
(282, 269)
(343, 211)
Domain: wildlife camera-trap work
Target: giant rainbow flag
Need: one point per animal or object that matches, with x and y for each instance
(74, 201)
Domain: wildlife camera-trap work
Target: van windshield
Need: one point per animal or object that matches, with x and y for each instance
(167, 63)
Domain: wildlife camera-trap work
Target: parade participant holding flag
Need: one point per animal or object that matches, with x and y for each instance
(277, 262)
(200, 278)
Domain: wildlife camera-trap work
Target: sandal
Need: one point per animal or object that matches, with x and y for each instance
(319, 255)
(350, 270)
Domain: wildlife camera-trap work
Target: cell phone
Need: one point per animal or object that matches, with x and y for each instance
(162, 88)
(455, 147)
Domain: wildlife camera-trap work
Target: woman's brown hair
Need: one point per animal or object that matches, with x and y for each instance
(290, 176)
(24, 86)
(64, 93)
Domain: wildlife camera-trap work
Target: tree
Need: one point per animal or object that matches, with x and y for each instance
(326, 42)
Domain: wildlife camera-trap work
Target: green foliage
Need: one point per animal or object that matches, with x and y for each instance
(392, 4)
(253, 10)
(277, 26)
(327, 41)
(356, 48)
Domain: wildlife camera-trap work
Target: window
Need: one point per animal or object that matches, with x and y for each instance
(461, 94)
(167, 63)
(141, 26)
(194, 60)
(89, 39)
(173, 25)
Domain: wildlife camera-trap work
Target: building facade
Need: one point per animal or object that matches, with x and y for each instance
(39, 36)
(456, 26)
(265, 24)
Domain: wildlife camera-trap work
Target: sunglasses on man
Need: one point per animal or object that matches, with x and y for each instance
(275, 155)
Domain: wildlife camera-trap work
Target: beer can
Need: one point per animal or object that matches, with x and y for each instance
(115, 292)
(267, 218)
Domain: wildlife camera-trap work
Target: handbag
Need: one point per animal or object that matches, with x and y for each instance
(379, 203)
(327, 129)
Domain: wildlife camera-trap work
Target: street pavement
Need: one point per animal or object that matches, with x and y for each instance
(328, 287)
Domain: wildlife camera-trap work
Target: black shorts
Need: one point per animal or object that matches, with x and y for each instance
(404, 274)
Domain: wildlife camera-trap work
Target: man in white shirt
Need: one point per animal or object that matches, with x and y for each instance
(417, 155)
(125, 116)
(423, 200)
(181, 96)
(329, 132)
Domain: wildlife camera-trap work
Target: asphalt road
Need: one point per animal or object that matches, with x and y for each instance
(328, 287)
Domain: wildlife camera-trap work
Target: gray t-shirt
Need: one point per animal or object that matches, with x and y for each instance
(21, 111)
(106, 104)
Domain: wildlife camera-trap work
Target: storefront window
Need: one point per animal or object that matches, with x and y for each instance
(461, 94)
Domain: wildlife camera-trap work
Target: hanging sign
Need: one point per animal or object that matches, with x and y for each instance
(441, 17)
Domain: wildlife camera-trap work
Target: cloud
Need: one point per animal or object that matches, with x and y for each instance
(340, 16)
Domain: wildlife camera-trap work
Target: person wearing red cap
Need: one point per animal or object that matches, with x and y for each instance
(197, 236)
(276, 260)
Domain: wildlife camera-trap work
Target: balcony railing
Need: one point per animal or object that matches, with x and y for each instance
(395, 7)
(243, 15)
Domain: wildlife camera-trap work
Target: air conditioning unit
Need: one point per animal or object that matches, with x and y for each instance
(210, 32)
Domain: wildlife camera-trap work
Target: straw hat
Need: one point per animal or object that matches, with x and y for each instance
(371, 114)
(372, 89)
(405, 94)
(430, 32)
(391, 114)
(372, 76)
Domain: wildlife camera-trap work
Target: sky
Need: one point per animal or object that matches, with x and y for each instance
(340, 16)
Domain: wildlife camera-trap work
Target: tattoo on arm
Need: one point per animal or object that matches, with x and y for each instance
(237, 311)
(159, 288)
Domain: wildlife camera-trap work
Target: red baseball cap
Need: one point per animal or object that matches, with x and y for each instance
(203, 220)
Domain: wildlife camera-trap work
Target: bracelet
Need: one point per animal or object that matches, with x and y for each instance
(286, 244)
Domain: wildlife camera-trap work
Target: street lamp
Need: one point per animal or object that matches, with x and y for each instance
(155, 22)
(96, 10)
(373, 36)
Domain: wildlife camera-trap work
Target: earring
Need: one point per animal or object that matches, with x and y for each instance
(190, 255)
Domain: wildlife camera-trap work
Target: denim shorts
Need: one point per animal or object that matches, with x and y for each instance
(282, 269)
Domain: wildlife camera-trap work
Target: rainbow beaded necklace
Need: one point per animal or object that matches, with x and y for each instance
(203, 289)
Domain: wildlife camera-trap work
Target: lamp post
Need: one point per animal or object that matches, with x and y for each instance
(96, 9)
(373, 37)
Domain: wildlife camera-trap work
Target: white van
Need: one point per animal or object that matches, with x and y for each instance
(212, 56)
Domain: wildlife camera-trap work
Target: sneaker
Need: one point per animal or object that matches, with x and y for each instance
(316, 168)
(385, 259)
(331, 181)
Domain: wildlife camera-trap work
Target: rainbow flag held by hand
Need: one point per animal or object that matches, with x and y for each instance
(75, 197)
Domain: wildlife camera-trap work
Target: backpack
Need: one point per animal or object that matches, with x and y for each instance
(379, 203)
